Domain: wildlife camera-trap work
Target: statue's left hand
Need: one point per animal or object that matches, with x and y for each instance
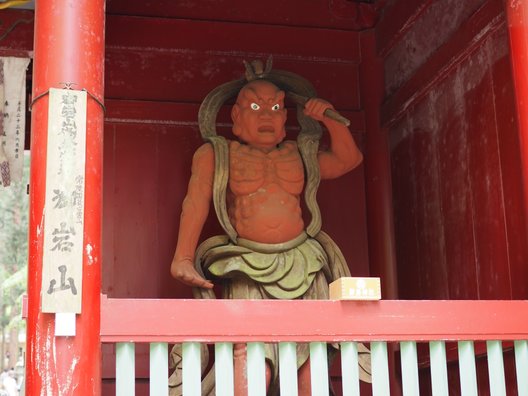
(316, 107)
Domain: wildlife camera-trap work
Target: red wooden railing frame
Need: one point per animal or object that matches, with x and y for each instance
(155, 320)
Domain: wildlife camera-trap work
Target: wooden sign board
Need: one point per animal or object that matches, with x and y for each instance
(13, 120)
(64, 202)
(350, 288)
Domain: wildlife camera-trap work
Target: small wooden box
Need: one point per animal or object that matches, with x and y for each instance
(355, 289)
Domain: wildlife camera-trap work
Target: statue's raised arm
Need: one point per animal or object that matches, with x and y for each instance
(343, 155)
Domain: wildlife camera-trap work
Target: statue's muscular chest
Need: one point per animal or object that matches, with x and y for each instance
(252, 171)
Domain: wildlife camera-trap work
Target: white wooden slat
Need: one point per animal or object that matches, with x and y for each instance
(125, 369)
(288, 368)
(496, 368)
(380, 369)
(159, 368)
(191, 370)
(319, 368)
(350, 368)
(409, 362)
(439, 383)
(467, 368)
(521, 367)
(256, 367)
(224, 380)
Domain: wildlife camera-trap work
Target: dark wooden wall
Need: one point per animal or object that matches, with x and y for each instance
(450, 114)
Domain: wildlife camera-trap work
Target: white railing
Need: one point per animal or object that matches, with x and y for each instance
(401, 323)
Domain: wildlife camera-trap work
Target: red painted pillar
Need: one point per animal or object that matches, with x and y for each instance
(517, 14)
(382, 255)
(69, 48)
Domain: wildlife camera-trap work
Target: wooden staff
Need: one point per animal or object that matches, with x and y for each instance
(330, 113)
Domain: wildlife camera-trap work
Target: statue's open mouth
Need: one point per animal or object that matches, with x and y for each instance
(266, 129)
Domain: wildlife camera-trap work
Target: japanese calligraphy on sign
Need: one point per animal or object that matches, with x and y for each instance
(12, 118)
(64, 202)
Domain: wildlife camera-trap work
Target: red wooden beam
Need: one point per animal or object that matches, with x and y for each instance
(69, 47)
(153, 320)
(335, 14)
(186, 114)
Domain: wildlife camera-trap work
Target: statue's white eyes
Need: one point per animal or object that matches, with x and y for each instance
(255, 106)
(276, 107)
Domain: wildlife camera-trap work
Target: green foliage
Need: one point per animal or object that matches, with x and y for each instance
(14, 213)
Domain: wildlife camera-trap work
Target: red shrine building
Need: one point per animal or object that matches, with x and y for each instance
(437, 97)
